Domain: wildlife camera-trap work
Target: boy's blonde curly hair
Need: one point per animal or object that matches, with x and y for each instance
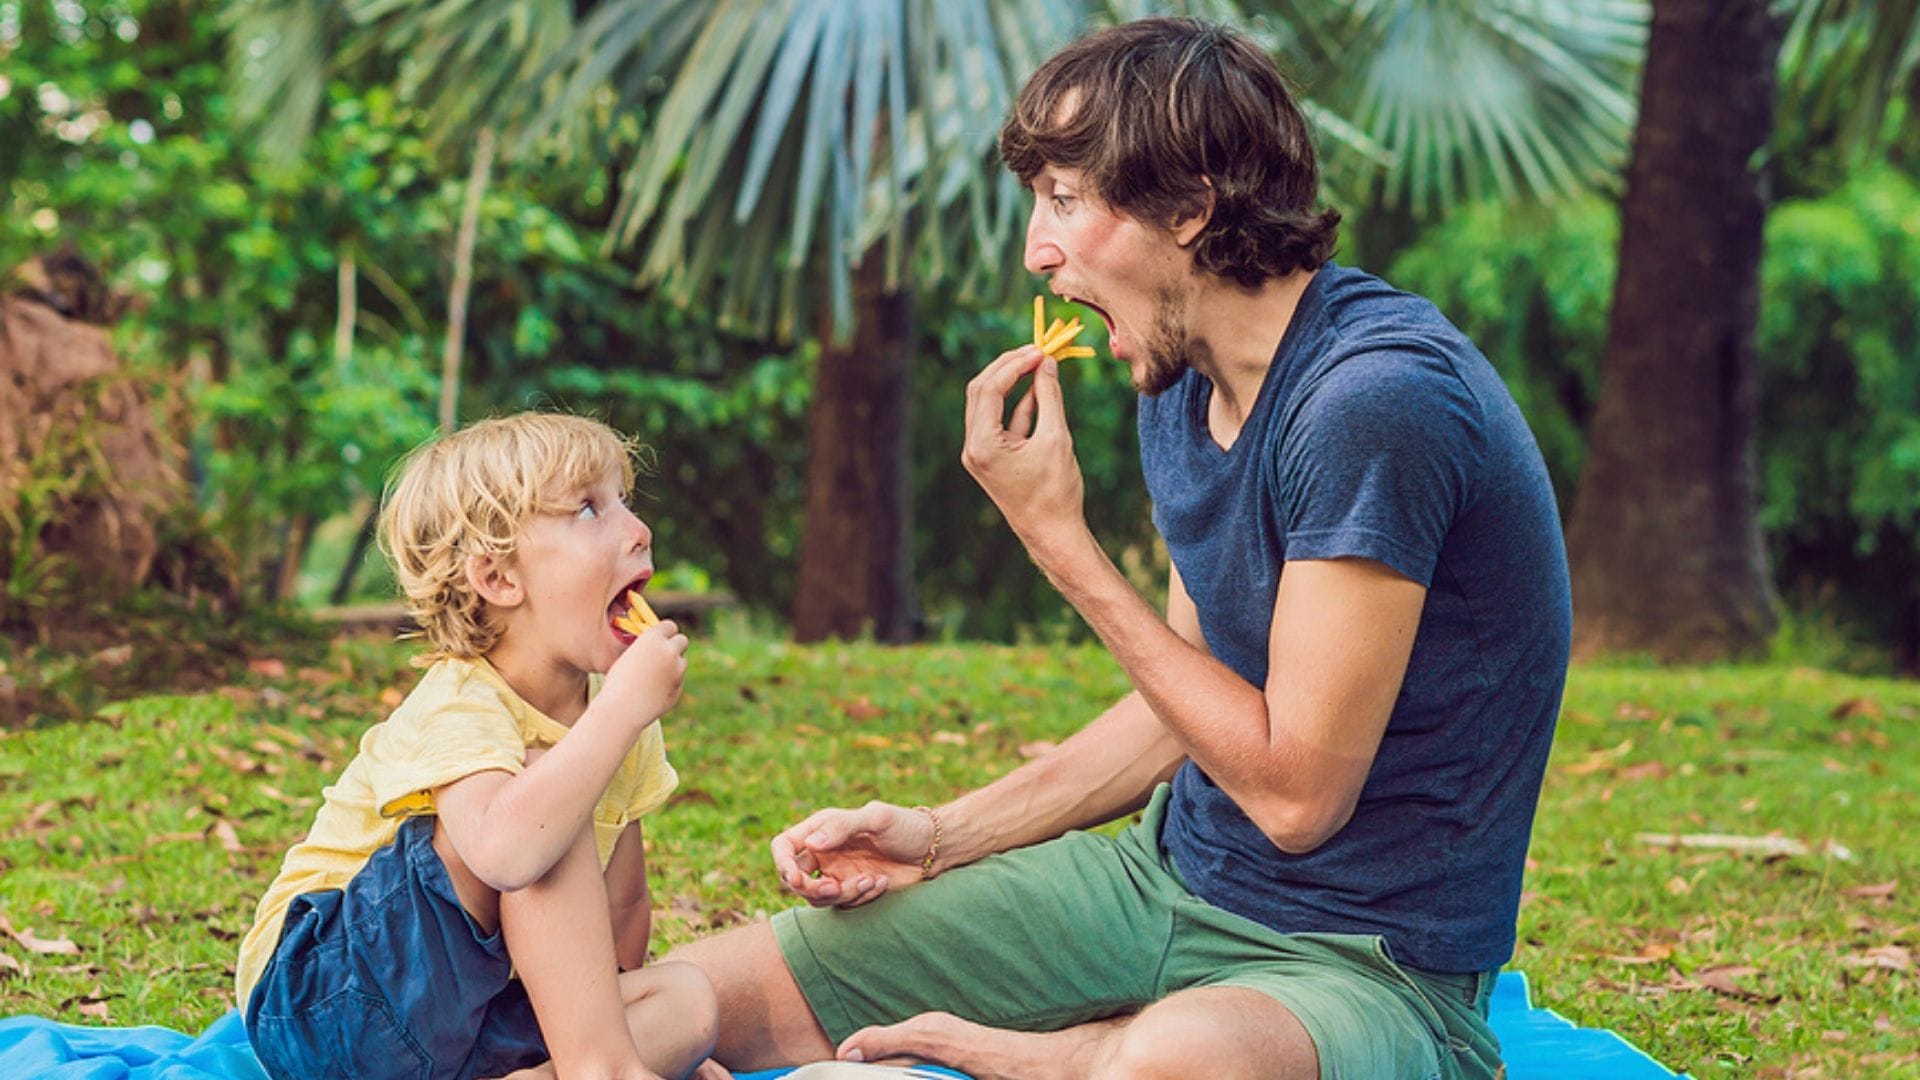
(468, 494)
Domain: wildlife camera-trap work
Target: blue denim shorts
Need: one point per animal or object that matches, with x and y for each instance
(389, 977)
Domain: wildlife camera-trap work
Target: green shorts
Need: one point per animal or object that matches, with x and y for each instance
(1090, 926)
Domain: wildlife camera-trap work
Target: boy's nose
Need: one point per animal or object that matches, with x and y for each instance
(642, 535)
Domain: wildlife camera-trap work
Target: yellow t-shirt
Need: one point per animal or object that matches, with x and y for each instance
(463, 718)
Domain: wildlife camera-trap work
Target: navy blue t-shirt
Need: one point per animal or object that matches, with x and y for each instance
(1380, 433)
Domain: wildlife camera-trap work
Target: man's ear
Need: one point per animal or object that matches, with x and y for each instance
(495, 580)
(1187, 229)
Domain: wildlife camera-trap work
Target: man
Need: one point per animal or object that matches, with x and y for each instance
(1352, 692)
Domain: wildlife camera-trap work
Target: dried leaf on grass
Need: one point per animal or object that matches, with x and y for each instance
(1722, 979)
(1891, 957)
(222, 830)
(1755, 845)
(34, 943)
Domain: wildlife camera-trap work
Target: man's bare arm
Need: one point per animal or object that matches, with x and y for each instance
(1295, 756)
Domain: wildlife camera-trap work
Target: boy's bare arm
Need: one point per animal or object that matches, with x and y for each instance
(628, 898)
(511, 829)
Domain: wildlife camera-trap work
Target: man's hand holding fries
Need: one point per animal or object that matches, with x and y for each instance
(1026, 465)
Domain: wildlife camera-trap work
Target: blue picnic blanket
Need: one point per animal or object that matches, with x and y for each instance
(1539, 1044)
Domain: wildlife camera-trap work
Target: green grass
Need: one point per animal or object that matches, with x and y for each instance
(145, 836)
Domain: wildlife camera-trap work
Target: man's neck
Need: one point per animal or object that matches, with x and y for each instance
(1241, 330)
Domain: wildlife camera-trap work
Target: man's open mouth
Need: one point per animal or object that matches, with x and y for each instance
(1106, 319)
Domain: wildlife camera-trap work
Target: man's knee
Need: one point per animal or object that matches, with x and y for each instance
(764, 1018)
(1163, 1044)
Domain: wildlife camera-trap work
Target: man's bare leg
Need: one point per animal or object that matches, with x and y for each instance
(1218, 1032)
(765, 1021)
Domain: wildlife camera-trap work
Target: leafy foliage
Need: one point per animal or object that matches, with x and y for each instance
(1840, 395)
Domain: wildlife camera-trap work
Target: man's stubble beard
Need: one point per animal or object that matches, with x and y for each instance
(1170, 349)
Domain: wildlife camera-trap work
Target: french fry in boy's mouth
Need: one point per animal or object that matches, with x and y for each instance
(1056, 339)
(638, 615)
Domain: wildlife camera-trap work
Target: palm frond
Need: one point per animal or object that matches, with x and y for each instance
(1844, 61)
(1514, 98)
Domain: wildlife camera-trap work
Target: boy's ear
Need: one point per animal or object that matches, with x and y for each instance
(495, 580)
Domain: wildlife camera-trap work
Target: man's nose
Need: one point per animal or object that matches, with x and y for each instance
(1043, 256)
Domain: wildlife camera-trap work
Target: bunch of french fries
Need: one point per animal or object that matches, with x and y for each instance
(638, 617)
(1056, 340)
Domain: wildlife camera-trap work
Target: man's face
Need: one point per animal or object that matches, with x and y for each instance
(1135, 276)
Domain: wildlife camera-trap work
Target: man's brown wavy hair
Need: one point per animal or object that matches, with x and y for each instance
(1153, 111)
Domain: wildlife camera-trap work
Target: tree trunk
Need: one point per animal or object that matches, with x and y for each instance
(855, 575)
(1665, 541)
(463, 279)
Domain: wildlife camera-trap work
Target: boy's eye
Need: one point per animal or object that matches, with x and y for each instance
(587, 510)
(1062, 203)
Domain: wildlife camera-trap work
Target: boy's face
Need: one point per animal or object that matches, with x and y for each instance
(574, 569)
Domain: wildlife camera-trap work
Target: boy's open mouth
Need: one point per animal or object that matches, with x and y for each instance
(618, 606)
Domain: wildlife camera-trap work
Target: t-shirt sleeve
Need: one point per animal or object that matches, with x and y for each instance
(654, 775)
(1377, 462)
(440, 744)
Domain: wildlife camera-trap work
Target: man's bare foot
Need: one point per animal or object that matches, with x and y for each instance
(982, 1052)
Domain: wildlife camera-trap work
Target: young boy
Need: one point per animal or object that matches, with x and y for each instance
(472, 897)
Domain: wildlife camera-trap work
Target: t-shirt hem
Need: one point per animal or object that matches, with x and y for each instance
(1355, 543)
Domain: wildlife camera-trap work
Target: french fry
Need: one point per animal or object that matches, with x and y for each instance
(638, 616)
(1059, 339)
(1056, 339)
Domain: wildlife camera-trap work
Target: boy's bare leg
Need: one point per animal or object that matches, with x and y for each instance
(765, 1021)
(560, 936)
(670, 1016)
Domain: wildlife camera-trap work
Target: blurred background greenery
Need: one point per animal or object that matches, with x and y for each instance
(772, 240)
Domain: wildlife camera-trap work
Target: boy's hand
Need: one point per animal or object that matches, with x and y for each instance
(845, 858)
(647, 677)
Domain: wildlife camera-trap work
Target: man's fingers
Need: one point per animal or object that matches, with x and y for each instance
(1051, 410)
(987, 393)
(1022, 423)
(789, 846)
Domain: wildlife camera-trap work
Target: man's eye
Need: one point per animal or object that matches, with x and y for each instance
(1062, 203)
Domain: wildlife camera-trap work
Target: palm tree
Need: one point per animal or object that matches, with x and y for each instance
(1665, 538)
(1665, 541)
(806, 165)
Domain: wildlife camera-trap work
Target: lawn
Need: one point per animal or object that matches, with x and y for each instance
(133, 846)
